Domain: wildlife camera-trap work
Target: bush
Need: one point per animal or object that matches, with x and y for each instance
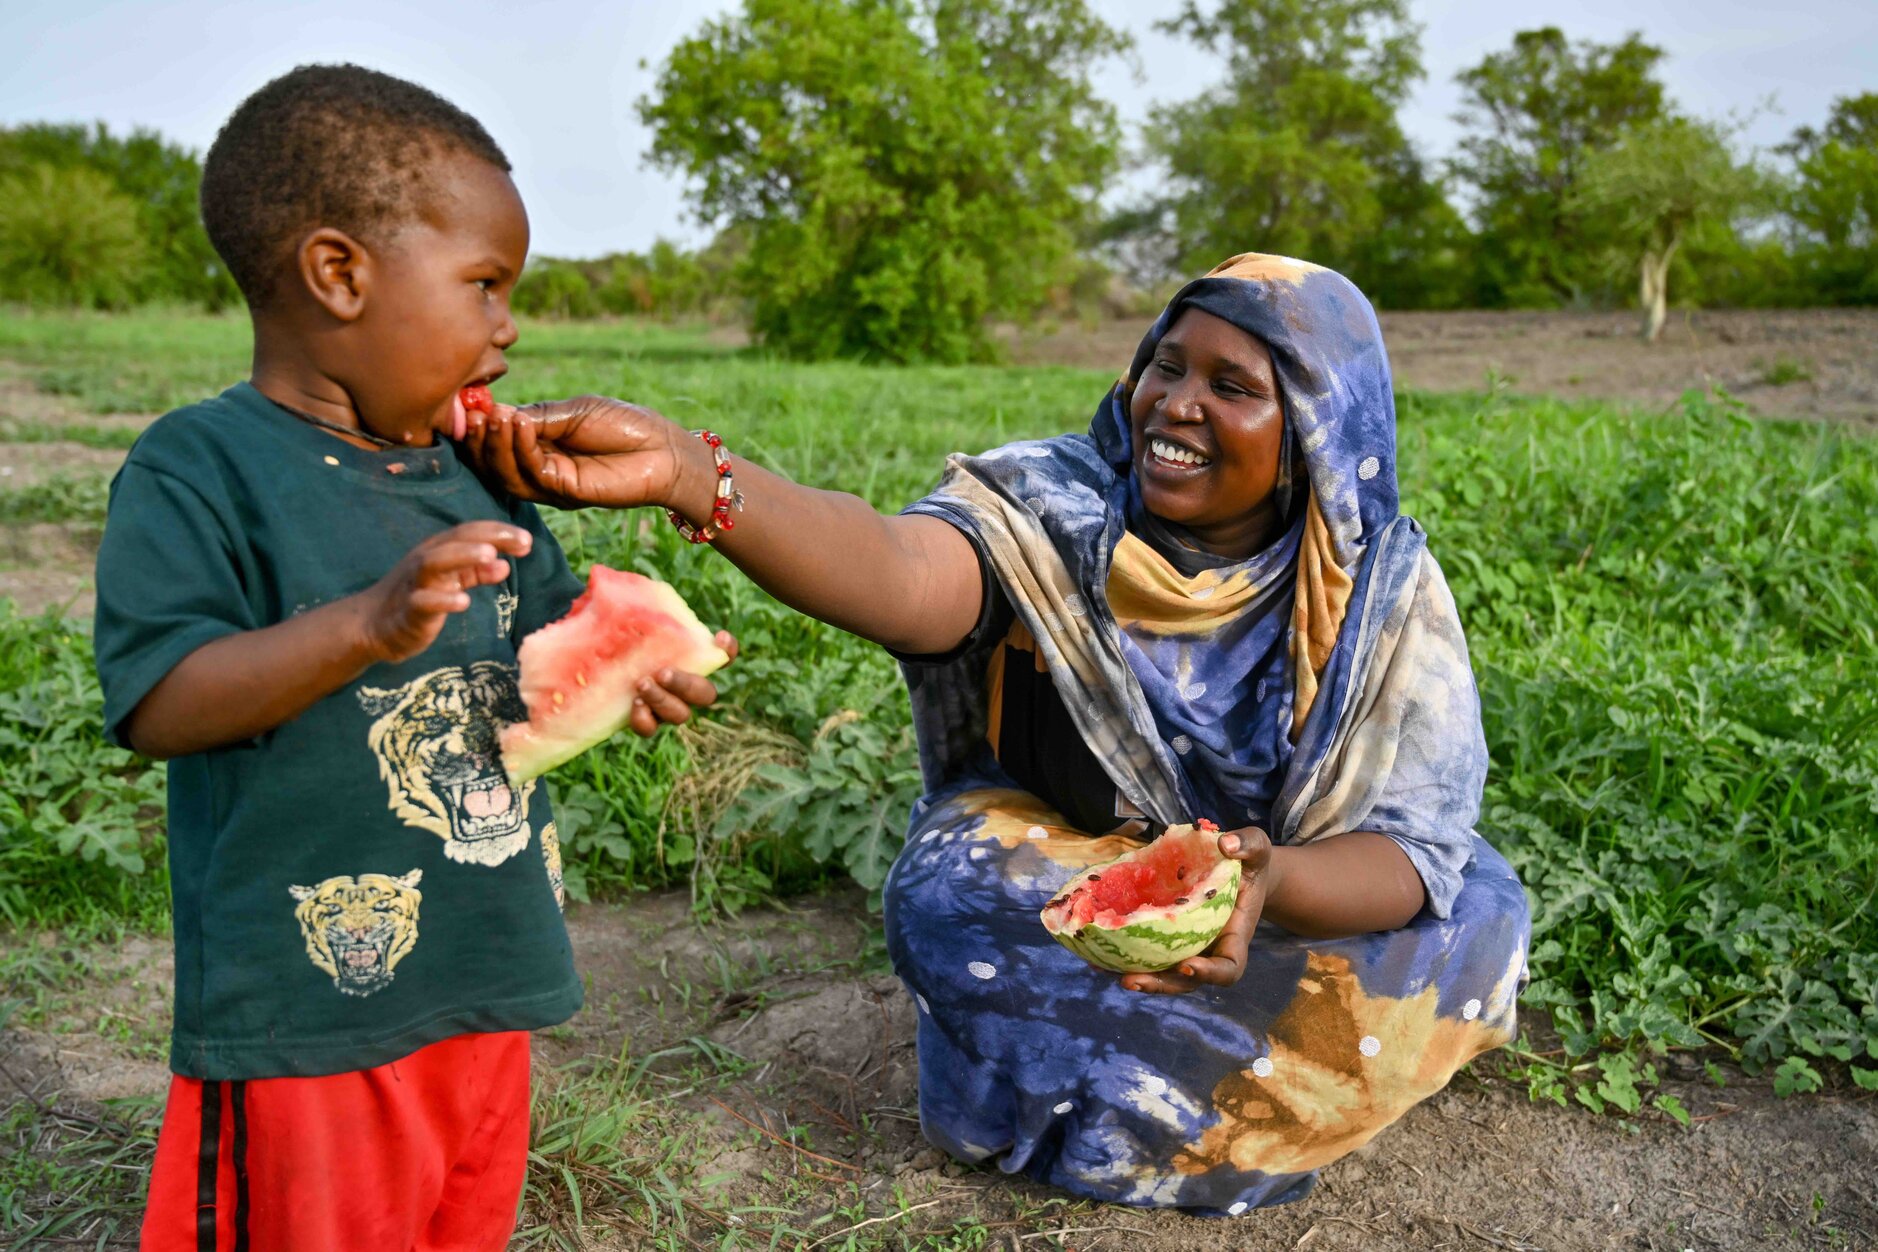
(69, 237)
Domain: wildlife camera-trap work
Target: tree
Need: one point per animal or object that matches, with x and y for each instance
(1656, 183)
(162, 181)
(1834, 201)
(902, 169)
(1299, 151)
(1538, 111)
(68, 237)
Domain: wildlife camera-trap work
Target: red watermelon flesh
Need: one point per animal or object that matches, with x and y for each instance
(581, 674)
(1158, 875)
(1150, 908)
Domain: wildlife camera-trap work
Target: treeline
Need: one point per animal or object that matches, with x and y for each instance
(886, 176)
(666, 282)
(90, 218)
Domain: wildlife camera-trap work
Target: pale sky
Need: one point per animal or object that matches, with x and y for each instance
(555, 81)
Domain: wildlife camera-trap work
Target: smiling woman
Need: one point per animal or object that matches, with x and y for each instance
(1210, 606)
(1209, 434)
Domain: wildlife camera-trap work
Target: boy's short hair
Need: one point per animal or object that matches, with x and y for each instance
(325, 145)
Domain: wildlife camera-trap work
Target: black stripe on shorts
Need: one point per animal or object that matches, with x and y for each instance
(208, 1154)
(238, 1101)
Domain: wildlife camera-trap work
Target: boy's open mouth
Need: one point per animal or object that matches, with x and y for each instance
(458, 421)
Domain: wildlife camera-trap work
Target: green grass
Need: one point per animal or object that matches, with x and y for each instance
(1785, 369)
(1672, 616)
(112, 438)
(74, 1178)
(60, 498)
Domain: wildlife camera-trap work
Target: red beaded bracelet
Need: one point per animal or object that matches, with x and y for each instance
(727, 497)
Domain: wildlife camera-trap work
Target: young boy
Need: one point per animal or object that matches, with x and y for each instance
(310, 605)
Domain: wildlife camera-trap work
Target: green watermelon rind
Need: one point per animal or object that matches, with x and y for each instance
(1145, 946)
(1155, 943)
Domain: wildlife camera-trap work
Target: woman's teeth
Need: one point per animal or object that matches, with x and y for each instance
(1177, 454)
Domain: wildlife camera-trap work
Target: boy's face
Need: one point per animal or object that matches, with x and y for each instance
(436, 317)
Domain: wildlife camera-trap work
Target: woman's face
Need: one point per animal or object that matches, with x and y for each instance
(1208, 425)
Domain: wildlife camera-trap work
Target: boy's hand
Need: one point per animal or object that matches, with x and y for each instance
(1223, 964)
(405, 610)
(585, 451)
(671, 694)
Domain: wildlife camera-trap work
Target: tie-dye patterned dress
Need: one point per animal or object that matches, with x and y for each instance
(1319, 687)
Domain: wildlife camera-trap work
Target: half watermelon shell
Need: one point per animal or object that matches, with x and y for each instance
(1150, 908)
(580, 674)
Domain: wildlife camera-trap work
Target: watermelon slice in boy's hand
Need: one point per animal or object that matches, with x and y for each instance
(580, 674)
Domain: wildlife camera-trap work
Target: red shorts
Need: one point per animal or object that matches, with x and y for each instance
(421, 1155)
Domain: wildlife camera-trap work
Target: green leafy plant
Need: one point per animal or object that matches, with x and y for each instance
(81, 819)
(1795, 1077)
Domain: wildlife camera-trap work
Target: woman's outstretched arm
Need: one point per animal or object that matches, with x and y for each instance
(909, 583)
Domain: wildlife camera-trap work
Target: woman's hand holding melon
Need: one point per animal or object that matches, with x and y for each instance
(590, 450)
(1223, 963)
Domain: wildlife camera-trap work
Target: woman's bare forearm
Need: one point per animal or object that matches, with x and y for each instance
(910, 583)
(1345, 885)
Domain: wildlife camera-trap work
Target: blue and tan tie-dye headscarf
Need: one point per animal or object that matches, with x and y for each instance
(1320, 686)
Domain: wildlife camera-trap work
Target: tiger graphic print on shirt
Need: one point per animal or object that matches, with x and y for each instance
(436, 740)
(357, 930)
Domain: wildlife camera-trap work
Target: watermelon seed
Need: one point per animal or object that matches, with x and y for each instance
(1095, 878)
(1181, 873)
(1182, 900)
(1212, 893)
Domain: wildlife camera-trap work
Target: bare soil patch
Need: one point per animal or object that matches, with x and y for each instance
(28, 464)
(1819, 364)
(46, 564)
(822, 1111)
(49, 565)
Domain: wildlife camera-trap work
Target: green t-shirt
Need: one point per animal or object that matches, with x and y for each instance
(362, 880)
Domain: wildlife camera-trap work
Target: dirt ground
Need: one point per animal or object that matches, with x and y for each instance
(1819, 364)
(826, 1041)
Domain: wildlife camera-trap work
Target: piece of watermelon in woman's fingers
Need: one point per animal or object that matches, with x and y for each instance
(580, 675)
(475, 398)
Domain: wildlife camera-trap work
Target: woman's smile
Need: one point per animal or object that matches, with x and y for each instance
(1174, 460)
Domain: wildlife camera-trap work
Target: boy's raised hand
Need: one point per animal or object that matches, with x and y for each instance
(590, 450)
(405, 610)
